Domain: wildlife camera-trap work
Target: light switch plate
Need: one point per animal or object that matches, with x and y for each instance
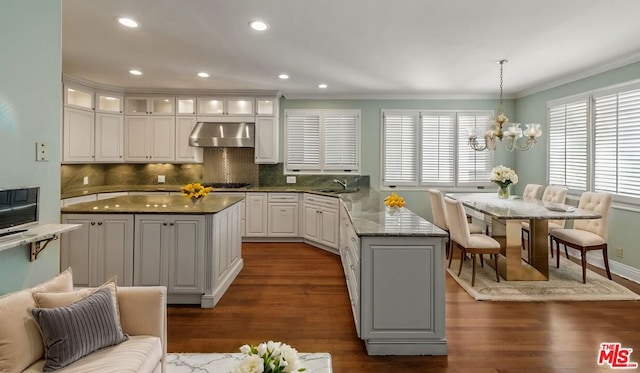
(85, 180)
(291, 179)
(161, 178)
(42, 152)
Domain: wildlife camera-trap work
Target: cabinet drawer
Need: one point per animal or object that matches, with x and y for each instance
(283, 197)
(332, 202)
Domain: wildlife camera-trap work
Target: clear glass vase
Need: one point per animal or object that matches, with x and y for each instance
(504, 192)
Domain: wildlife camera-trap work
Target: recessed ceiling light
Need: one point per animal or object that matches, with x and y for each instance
(322, 86)
(258, 25)
(135, 72)
(127, 22)
(283, 76)
(203, 75)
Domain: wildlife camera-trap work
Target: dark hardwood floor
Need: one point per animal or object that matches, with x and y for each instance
(296, 293)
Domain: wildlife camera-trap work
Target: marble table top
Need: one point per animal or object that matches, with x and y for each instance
(521, 208)
(319, 362)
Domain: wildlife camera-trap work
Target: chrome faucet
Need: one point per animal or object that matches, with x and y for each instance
(343, 183)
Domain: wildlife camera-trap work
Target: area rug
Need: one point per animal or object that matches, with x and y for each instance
(565, 284)
(319, 362)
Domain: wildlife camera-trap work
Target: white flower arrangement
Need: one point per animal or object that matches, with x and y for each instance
(269, 357)
(503, 176)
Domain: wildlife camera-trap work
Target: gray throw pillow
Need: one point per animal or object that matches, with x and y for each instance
(74, 331)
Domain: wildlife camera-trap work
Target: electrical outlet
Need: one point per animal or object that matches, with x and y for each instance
(42, 152)
(291, 179)
(618, 252)
(85, 180)
(160, 179)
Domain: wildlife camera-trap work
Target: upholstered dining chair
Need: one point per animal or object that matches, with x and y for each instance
(586, 234)
(532, 191)
(440, 217)
(552, 193)
(468, 243)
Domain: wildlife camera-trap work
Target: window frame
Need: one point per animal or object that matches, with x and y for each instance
(417, 183)
(322, 168)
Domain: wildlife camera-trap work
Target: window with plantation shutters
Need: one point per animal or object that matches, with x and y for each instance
(568, 144)
(429, 148)
(341, 141)
(437, 149)
(616, 140)
(474, 167)
(322, 141)
(400, 148)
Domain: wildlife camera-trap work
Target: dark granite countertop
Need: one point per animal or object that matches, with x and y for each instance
(137, 204)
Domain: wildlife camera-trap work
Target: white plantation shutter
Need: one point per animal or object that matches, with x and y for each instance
(400, 149)
(437, 149)
(474, 167)
(616, 139)
(303, 141)
(341, 146)
(568, 145)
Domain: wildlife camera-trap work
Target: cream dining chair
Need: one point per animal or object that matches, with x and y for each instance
(467, 242)
(440, 217)
(555, 194)
(532, 191)
(586, 234)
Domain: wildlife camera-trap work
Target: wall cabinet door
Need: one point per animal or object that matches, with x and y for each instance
(162, 136)
(256, 215)
(109, 135)
(283, 219)
(100, 249)
(149, 139)
(78, 96)
(185, 152)
(78, 135)
(149, 105)
(266, 132)
(109, 103)
(235, 106)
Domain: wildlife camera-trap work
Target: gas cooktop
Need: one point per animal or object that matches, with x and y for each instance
(227, 185)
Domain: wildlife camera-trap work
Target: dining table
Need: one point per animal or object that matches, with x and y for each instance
(504, 217)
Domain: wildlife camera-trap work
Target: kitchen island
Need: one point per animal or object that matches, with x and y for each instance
(192, 249)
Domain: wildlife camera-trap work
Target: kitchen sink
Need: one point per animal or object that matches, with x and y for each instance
(336, 190)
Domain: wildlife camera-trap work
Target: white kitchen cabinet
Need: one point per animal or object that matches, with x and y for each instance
(266, 140)
(78, 135)
(78, 96)
(109, 138)
(321, 223)
(350, 257)
(149, 105)
(227, 243)
(149, 139)
(267, 106)
(256, 215)
(100, 249)
(107, 102)
(185, 106)
(223, 106)
(282, 215)
(184, 152)
(169, 251)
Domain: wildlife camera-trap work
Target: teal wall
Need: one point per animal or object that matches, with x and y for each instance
(370, 128)
(30, 112)
(532, 165)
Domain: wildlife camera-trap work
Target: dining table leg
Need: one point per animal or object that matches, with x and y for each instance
(511, 265)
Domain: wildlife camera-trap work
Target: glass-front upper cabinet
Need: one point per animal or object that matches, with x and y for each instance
(266, 106)
(78, 96)
(238, 106)
(109, 102)
(186, 105)
(149, 105)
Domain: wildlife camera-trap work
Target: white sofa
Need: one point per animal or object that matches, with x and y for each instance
(142, 313)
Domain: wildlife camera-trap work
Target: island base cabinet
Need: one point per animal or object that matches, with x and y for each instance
(224, 253)
(169, 251)
(402, 296)
(99, 250)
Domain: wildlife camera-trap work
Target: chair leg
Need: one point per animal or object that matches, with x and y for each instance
(584, 265)
(450, 253)
(566, 251)
(495, 256)
(522, 238)
(551, 245)
(557, 254)
(605, 257)
(462, 255)
(481, 260)
(473, 269)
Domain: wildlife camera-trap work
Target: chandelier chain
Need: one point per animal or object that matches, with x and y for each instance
(501, 65)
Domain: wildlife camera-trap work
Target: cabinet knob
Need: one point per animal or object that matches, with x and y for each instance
(171, 224)
(93, 223)
(165, 223)
(352, 267)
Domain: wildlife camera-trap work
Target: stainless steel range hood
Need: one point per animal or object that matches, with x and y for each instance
(223, 135)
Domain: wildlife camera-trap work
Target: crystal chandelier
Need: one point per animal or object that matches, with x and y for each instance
(510, 137)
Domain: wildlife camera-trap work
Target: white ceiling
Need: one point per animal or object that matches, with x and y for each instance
(360, 48)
